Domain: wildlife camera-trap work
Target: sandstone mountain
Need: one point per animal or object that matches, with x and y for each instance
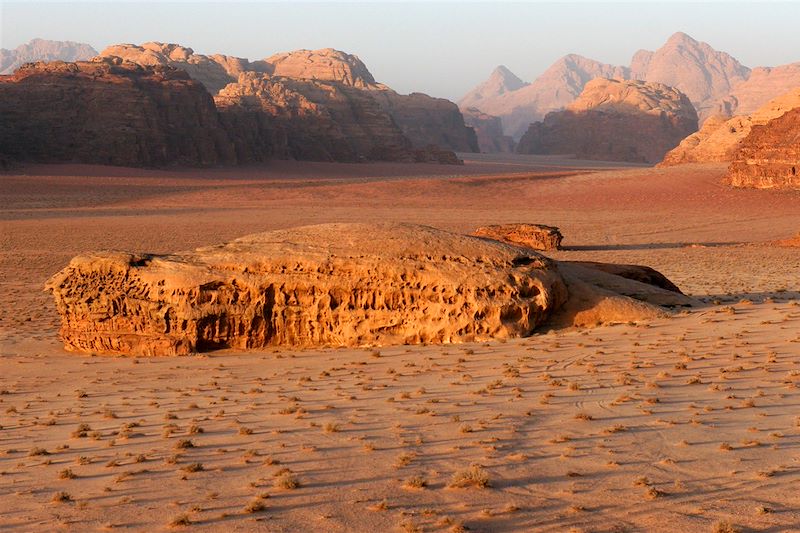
(215, 71)
(769, 157)
(426, 121)
(719, 139)
(615, 120)
(109, 112)
(558, 86)
(489, 132)
(334, 285)
(43, 50)
(715, 82)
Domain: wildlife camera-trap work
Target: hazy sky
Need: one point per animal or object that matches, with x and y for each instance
(441, 48)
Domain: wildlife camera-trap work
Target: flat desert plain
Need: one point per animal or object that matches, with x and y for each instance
(686, 423)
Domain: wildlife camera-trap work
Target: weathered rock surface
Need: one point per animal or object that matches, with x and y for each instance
(615, 120)
(309, 119)
(489, 131)
(109, 112)
(769, 157)
(763, 84)
(325, 64)
(719, 139)
(534, 236)
(214, 72)
(333, 285)
(337, 284)
(43, 50)
(640, 273)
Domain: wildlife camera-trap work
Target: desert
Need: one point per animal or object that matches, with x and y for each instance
(279, 276)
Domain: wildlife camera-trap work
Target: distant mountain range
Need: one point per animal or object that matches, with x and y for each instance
(715, 82)
(43, 50)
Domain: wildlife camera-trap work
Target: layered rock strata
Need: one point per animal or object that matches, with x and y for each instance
(534, 236)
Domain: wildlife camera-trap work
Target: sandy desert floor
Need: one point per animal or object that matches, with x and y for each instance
(690, 423)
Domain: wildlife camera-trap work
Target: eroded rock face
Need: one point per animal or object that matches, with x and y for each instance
(489, 131)
(334, 284)
(719, 139)
(325, 64)
(109, 112)
(615, 120)
(534, 236)
(214, 72)
(43, 50)
(769, 157)
(309, 119)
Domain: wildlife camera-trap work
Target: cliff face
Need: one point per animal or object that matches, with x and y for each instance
(489, 131)
(615, 120)
(109, 112)
(769, 157)
(309, 119)
(43, 50)
(719, 139)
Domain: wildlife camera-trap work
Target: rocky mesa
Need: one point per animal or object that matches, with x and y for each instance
(615, 120)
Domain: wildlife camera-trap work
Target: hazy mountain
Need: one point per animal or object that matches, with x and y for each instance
(43, 50)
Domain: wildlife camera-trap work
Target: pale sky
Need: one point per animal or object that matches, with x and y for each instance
(440, 48)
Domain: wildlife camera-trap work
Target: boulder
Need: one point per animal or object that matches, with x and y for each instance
(109, 112)
(615, 120)
(534, 236)
(769, 157)
(334, 285)
(640, 273)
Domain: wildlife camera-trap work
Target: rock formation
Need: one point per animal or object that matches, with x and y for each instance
(326, 64)
(215, 71)
(640, 273)
(109, 112)
(312, 119)
(715, 82)
(333, 285)
(534, 236)
(615, 120)
(719, 139)
(43, 50)
(489, 131)
(769, 157)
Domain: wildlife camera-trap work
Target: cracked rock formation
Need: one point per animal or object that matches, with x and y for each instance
(534, 236)
(333, 285)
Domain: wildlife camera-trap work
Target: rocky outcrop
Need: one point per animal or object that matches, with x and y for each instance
(534, 236)
(326, 64)
(719, 139)
(337, 285)
(615, 120)
(109, 112)
(769, 157)
(43, 50)
(332, 285)
(428, 121)
(319, 120)
(763, 85)
(640, 273)
(214, 72)
(489, 131)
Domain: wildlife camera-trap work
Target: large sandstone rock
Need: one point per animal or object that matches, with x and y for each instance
(109, 112)
(43, 50)
(326, 64)
(309, 119)
(333, 285)
(489, 131)
(763, 84)
(215, 71)
(769, 157)
(719, 139)
(534, 236)
(615, 120)
(337, 285)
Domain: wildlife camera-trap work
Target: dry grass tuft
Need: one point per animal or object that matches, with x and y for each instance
(474, 476)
